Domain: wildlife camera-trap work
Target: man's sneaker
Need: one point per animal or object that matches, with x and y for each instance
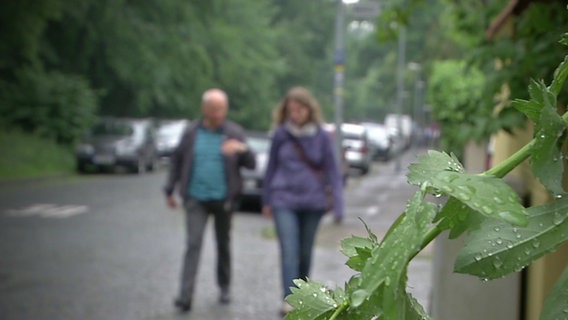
(182, 306)
(225, 296)
(285, 308)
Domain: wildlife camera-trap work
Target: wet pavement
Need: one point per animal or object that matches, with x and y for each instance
(105, 247)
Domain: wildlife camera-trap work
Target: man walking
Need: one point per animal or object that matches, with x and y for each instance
(206, 169)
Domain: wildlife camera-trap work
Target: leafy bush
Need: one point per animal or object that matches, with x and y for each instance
(50, 104)
(26, 155)
(503, 236)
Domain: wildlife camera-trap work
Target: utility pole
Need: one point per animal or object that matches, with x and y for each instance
(339, 61)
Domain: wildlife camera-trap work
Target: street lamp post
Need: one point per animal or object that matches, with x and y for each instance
(358, 10)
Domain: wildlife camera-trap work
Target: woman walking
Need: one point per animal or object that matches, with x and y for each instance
(303, 181)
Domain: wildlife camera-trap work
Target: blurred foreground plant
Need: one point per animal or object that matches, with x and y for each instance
(503, 236)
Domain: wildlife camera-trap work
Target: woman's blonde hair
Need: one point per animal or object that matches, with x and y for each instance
(302, 96)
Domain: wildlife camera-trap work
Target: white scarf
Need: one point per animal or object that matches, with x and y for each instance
(306, 130)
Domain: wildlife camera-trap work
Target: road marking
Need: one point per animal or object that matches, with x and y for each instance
(48, 210)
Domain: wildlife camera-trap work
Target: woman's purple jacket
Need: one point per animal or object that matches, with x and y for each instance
(289, 181)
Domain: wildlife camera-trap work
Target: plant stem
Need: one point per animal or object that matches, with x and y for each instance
(429, 237)
(517, 158)
(339, 310)
(512, 162)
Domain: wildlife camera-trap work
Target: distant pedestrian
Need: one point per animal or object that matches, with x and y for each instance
(303, 181)
(205, 168)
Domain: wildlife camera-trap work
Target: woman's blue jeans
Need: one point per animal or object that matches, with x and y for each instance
(296, 230)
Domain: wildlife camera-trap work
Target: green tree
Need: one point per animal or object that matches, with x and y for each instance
(455, 93)
(53, 104)
(372, 59)
(150, 58)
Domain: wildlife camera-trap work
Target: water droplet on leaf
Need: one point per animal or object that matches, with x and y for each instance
(497, 263)
(358, 297)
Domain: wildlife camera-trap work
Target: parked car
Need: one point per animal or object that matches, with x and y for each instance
(119, 142)
(357, 146)
(251, 194)
(402, 125)
(168, 135)
(380, 140)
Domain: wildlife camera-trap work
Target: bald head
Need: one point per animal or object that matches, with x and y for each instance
(215, 95)
(214, 106)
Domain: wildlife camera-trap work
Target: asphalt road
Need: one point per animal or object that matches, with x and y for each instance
(106, 247)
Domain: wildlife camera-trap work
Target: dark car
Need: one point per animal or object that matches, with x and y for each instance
(259, 142)
(119, 142)
(168, 135)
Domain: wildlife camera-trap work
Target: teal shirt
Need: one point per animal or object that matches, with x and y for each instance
(208, 171)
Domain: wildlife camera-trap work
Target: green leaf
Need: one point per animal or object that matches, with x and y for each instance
(560, 75)
(388, 262)
(430, 165)
(414, 310)
(546, 157)
(405, 306)
(367, 308)
(498, 248)
(358, 250)
(312, 300)
(564, 39)
(488, 195)
(537, 91)
(485, 194)
(457, 217)
(350, 245)
(556, 304)
(399, 304)
(530, 108)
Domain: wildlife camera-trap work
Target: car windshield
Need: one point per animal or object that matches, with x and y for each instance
(258, 144)
(112, 129)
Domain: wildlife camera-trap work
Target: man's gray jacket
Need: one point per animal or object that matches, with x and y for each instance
(182, 160)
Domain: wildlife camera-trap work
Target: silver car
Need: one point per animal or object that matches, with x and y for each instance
(118, 142)
(251, 193)
(380, 139)
(169, 133)
(357, 147)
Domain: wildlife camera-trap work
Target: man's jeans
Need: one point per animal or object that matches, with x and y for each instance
(296, 233)
(197, 213)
